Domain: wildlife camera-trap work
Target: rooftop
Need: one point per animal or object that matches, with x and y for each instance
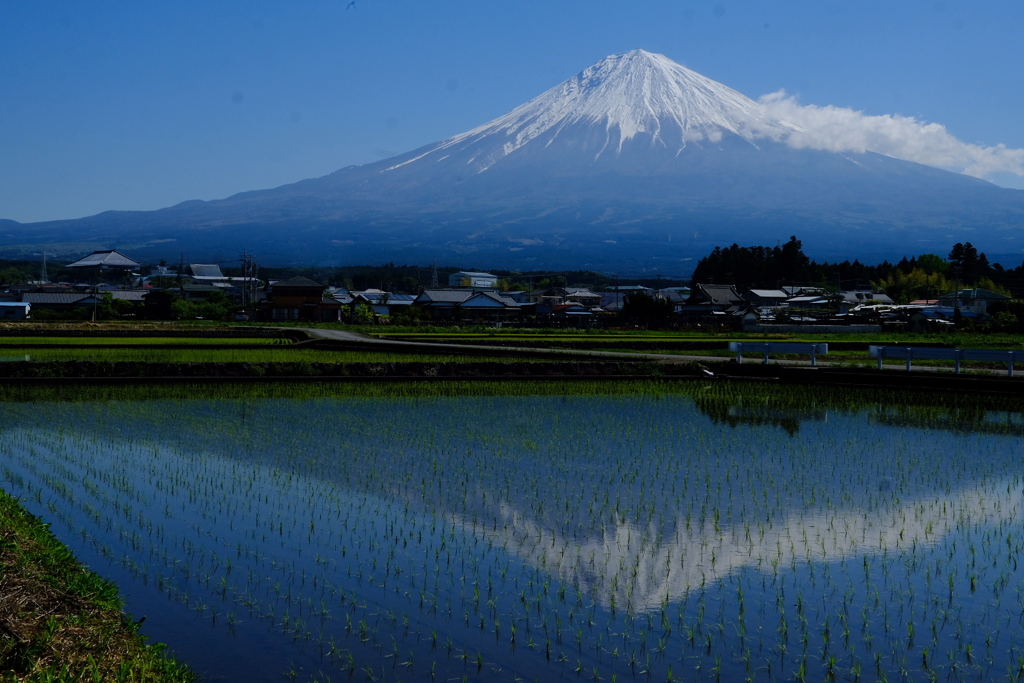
(110, 258)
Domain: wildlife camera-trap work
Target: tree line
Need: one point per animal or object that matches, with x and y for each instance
(926, 276)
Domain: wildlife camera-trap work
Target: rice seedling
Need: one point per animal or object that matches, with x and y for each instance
(651, 529)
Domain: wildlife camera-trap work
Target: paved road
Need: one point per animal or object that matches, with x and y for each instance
(517, 351)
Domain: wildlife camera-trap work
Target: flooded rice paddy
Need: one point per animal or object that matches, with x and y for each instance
(649, 532)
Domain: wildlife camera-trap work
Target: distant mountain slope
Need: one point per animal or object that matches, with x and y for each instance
(636, 163)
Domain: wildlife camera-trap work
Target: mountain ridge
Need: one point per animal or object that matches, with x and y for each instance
(635, 163)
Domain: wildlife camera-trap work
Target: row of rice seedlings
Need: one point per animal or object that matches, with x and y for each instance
(270, 354)
(25, 342)
(664, 562)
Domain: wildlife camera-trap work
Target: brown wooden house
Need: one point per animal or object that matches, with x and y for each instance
(298, 299)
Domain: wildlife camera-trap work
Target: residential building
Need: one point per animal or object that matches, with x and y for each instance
(715, 304)
(107, 259)
(462, 304)
(974, 301)
(298, 299)
(15, 310)
(767, 298)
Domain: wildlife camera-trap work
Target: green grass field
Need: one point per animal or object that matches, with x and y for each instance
(142, 341)
(267, 355)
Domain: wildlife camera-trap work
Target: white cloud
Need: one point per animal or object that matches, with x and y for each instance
(837, 129)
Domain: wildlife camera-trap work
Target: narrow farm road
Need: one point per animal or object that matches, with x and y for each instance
(357, 339)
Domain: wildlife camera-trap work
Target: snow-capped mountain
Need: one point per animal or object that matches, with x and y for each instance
(633, 96)
(634, 164)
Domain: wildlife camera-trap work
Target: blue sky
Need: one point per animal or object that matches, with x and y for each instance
(141, 105)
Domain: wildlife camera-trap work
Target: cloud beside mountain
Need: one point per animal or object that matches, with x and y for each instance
(838, 129)
(635, 164)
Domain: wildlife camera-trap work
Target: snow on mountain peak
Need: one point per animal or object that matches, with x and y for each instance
(631, 94)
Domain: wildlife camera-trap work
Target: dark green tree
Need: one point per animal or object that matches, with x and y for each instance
(647, 310)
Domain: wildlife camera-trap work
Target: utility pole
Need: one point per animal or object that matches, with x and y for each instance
(248, 279)
(245, 279)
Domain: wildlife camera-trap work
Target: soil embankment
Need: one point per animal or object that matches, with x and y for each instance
(58, 620)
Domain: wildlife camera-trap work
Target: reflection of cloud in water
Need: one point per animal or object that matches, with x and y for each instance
(641, 569)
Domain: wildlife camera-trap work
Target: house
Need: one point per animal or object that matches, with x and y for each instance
(61, 301)
(489, 306)
(15, 310)
(714, 295)
(462, 304)
(799, 290)
(931, 319)
(465, 278)
(766, 298)
(817, 301)
(107, 259)
(674, 296)
(383, 303)
(854, 298)
(582, 296)
(975, 301)
(298, 298)
(206, 273)
(110, 262)
(199, 292)
(575, 315)
(717, 304)
(341, 295)
(547, 299)
(626, 289)
(612, 301)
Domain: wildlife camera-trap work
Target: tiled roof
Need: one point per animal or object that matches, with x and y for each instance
(64, 298)
(110, 258)
(130, 294)
(719, 295)
(297, 281)
(510, 303)
(446, 296)
(205, 270)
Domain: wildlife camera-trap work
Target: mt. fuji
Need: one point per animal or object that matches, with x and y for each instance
(635, 164)
(637, 95)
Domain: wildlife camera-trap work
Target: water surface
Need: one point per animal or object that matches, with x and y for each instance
(701, 532)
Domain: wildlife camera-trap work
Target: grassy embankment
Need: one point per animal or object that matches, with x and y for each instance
(61, 622)
(850, 350)
(202, 346)
(200, 350)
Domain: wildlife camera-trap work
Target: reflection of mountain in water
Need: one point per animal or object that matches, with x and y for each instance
(639, 569)
(635, 497)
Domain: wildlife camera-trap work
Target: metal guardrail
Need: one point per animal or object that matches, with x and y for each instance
(912, 353)
(766, 348)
